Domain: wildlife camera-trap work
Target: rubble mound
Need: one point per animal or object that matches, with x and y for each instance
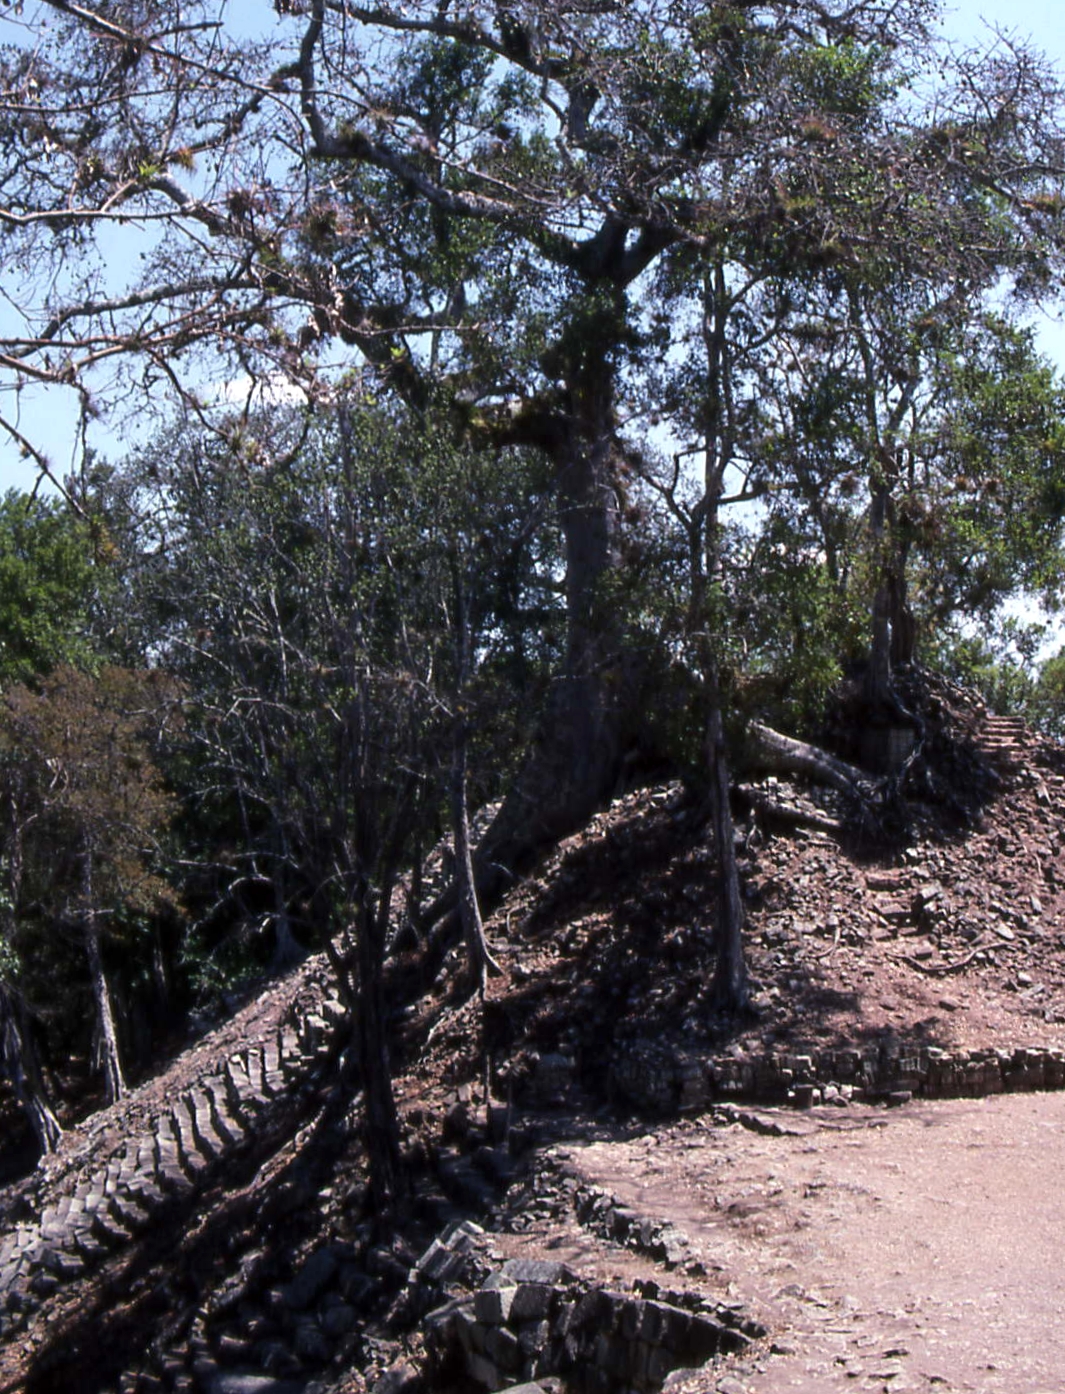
(931, 960)
(210, 1235)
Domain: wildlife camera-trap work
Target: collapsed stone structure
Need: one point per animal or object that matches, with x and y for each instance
(238, 1099)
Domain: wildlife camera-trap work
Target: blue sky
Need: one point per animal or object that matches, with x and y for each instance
(50, 419)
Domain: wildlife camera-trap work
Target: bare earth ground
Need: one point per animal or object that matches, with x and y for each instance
(898, 1251)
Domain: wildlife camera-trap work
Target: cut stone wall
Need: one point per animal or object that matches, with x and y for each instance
(533, 1320)
(655, 1079)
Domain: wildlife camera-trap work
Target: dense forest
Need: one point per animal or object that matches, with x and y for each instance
(520, 398)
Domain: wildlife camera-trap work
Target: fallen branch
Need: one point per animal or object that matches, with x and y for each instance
(794, 814)
(774, 751)
(827, 953)
(936, 970)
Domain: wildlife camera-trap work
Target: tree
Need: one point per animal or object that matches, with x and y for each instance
(48, 580)
(84, 808)
(915, 446)
(403, 183)
(351, 628)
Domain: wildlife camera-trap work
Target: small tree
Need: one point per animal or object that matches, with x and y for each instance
(85, 808)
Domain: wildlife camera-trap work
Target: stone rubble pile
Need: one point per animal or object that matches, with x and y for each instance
(534, 1319)
(143, 1160)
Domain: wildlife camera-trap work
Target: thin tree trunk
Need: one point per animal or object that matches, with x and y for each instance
(479, 959)
(17, 1047)
(23, 1070)
(114, 1079)
(730, 990)
(382, 1119)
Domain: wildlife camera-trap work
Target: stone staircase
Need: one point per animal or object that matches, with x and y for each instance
(127, 1168)
(1003, 740)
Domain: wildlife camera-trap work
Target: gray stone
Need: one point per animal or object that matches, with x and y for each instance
(312, 1279)
(311, 1343)
(492, 1305)
(532, 1270)
(233, 1382)
(534, 1336)
(531, 1302)
(401, 1378)
(277, 1358)
(338, 1319)
(502, 1347)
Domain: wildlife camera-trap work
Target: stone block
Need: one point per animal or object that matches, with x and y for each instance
(704, 1338)
(338, 1319)
(660, 1362)
(613, 1354)
(527, 1270)
(442, 1325)
(311, 1343)
(501, 1346)
(533, 1337)
(311, 1280)
(485, 1372)
(469, 1331)
(493, 1305)
(531, 1302)
(401, 1378)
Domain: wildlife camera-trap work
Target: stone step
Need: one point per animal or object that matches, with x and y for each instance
(85, 1242)
(193, 1161)
(108, 1228)
(145, 1191)
(244, 1096)
(253, 1061)
(464, 1183)
(168, 1170)
(62, 1263)
(283, 1059)
(225, 1124)
(208, 1140)
(129, 1210)
(291, 1051)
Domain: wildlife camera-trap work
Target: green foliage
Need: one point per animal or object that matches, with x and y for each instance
(1045, 705)
(796, 628)
(989, 521)
(48, 578)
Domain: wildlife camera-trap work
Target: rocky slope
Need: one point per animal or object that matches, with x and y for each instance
(209, 1234)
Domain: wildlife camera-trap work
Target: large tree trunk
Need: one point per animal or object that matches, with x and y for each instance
(114, 1078)
(878, 686)
(23, 1070)
(772, 750)
(577, 757)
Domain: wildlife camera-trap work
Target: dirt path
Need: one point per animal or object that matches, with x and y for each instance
(906, 1251)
